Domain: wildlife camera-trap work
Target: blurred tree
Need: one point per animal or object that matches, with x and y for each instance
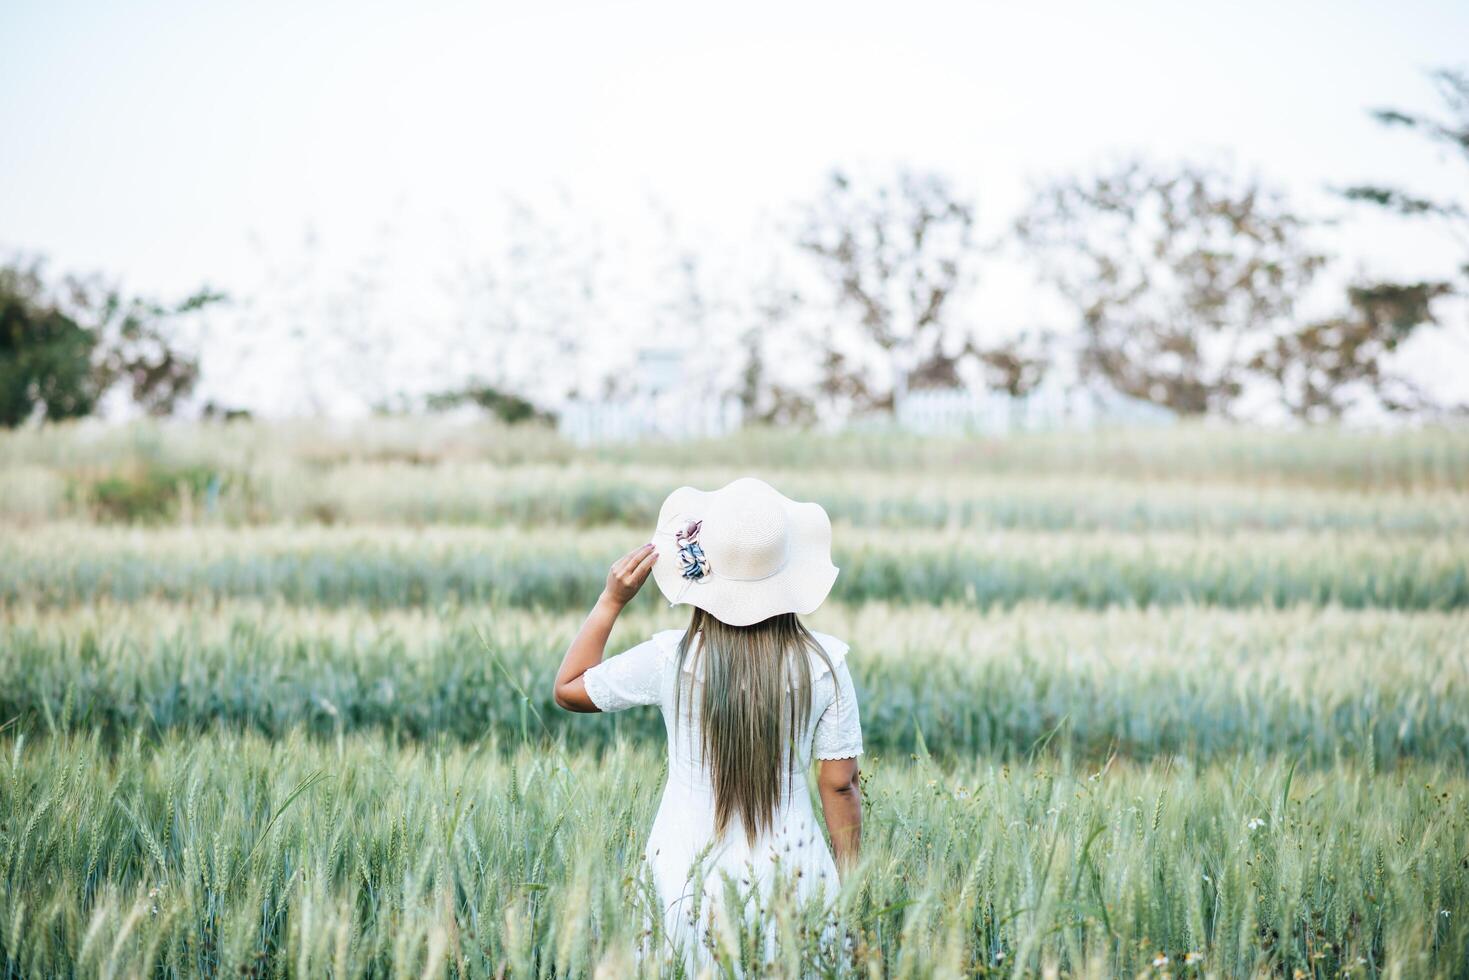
(752, 381)
(899, 255)
(62, 351)
(528, 312)
(766, 396)
(135, 349)
(1175, 277)
(1323, 368)
(45, 355)
(1018, 365)
(1451, 133)
(508, 408)
(216, 412)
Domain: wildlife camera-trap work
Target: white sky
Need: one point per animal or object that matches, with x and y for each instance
(173, 143)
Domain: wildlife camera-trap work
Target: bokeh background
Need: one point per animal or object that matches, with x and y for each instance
(343, 348)
(807, 213)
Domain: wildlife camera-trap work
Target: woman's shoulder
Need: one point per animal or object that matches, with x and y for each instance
(833, 646)
(667, 641)
(669, 638)
(836, 654)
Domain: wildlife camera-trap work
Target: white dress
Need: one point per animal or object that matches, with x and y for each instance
(684, 826)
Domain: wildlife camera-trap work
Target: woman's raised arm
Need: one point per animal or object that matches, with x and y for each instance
(623, 582)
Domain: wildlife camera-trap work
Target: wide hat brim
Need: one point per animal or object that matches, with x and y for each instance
(799, 586)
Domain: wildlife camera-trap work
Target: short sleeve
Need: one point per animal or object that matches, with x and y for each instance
(839, 729)
(628, 679)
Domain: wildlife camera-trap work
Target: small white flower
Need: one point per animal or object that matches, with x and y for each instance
(1444, 913)
(961, 793)
(1000, 956)
(1190, 958)
(1255, 823)
(1161, 960)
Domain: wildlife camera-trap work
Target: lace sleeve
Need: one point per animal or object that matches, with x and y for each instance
(839, 729)
(628, 679)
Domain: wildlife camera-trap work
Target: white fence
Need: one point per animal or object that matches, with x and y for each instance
(648, 417)
(1048, 407)
(672, 416)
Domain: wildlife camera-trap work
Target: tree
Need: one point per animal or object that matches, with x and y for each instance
(765, 397)
(898, 256)
(528, 312)
(1176, 277)
(45, 355)
(1451, 133)
(1326, 366)
(508, 408)
(1018, 365)
(63, 350)
(135, 346)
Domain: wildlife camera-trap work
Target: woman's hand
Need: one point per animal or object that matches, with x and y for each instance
(629, 573)
(585, 652)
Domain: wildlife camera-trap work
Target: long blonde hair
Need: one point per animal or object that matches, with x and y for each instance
(754, 704)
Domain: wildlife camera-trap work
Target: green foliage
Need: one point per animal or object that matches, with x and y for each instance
(145, 493)
(1409, 304)
(505, 406)
(62, 349)
(45, 355)
(1449, 131)
(1396, 201)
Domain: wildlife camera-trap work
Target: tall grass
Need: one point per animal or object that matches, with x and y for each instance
(1202, 684)
(1422, 458)
(238, 855)
(591, 494)
(564, 568)
(274, 701)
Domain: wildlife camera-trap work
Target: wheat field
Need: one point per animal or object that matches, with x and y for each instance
(275, 701)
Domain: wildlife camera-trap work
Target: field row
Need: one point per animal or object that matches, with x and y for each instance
(1409, 458)
(233, 854)
(587, 495)
(549, 568)
(1318, 685)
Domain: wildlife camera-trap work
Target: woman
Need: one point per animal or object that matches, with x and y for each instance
(748, 697)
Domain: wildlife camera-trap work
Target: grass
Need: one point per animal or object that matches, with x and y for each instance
(564, 569)
(1195, 683)
(1182, 702)
(245, 855)
(1421, 458)
(590, 494)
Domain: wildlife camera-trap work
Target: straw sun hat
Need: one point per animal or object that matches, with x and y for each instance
(743, 553)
